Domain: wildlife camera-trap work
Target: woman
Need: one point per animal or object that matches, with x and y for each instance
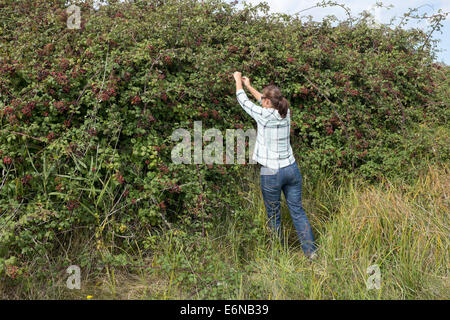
(273, 151)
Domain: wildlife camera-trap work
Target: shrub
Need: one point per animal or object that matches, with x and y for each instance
(86, 115)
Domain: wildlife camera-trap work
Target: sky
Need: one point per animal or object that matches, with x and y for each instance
(382, 15)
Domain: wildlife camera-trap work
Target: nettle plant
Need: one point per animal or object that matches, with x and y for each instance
(87, 114)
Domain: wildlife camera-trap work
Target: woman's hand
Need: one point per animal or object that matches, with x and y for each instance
(246, 81)
(237, 76)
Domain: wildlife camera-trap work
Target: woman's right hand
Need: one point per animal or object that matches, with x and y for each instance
(246, 81)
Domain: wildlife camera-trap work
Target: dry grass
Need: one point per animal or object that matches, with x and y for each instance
(402, 229)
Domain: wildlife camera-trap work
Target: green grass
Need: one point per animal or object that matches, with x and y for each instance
(402, 229)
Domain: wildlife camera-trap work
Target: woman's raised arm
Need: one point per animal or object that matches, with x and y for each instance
(252, 90)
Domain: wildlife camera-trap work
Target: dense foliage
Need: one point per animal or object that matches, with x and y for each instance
(86, 114)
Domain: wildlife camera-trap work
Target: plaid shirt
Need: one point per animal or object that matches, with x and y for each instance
(272, 147)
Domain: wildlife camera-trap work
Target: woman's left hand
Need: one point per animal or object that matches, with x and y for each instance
(237, 76)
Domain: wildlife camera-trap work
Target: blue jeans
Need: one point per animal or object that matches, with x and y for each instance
(288, 179)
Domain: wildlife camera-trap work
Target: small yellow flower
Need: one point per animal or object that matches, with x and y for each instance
(89, 297)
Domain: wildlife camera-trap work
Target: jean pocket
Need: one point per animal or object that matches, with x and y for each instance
(269, 180)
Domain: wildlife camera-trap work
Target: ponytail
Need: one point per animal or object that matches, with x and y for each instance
(282, 107)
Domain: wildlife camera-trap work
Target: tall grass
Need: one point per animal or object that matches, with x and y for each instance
(401, 228)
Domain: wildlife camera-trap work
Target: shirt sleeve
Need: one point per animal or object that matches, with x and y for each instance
(255, 111)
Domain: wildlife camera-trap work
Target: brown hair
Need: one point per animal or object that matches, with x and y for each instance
(273, 93)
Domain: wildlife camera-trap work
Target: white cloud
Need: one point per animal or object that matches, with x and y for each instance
(356, 6)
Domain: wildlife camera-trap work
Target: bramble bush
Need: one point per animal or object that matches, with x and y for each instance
(86, 114)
